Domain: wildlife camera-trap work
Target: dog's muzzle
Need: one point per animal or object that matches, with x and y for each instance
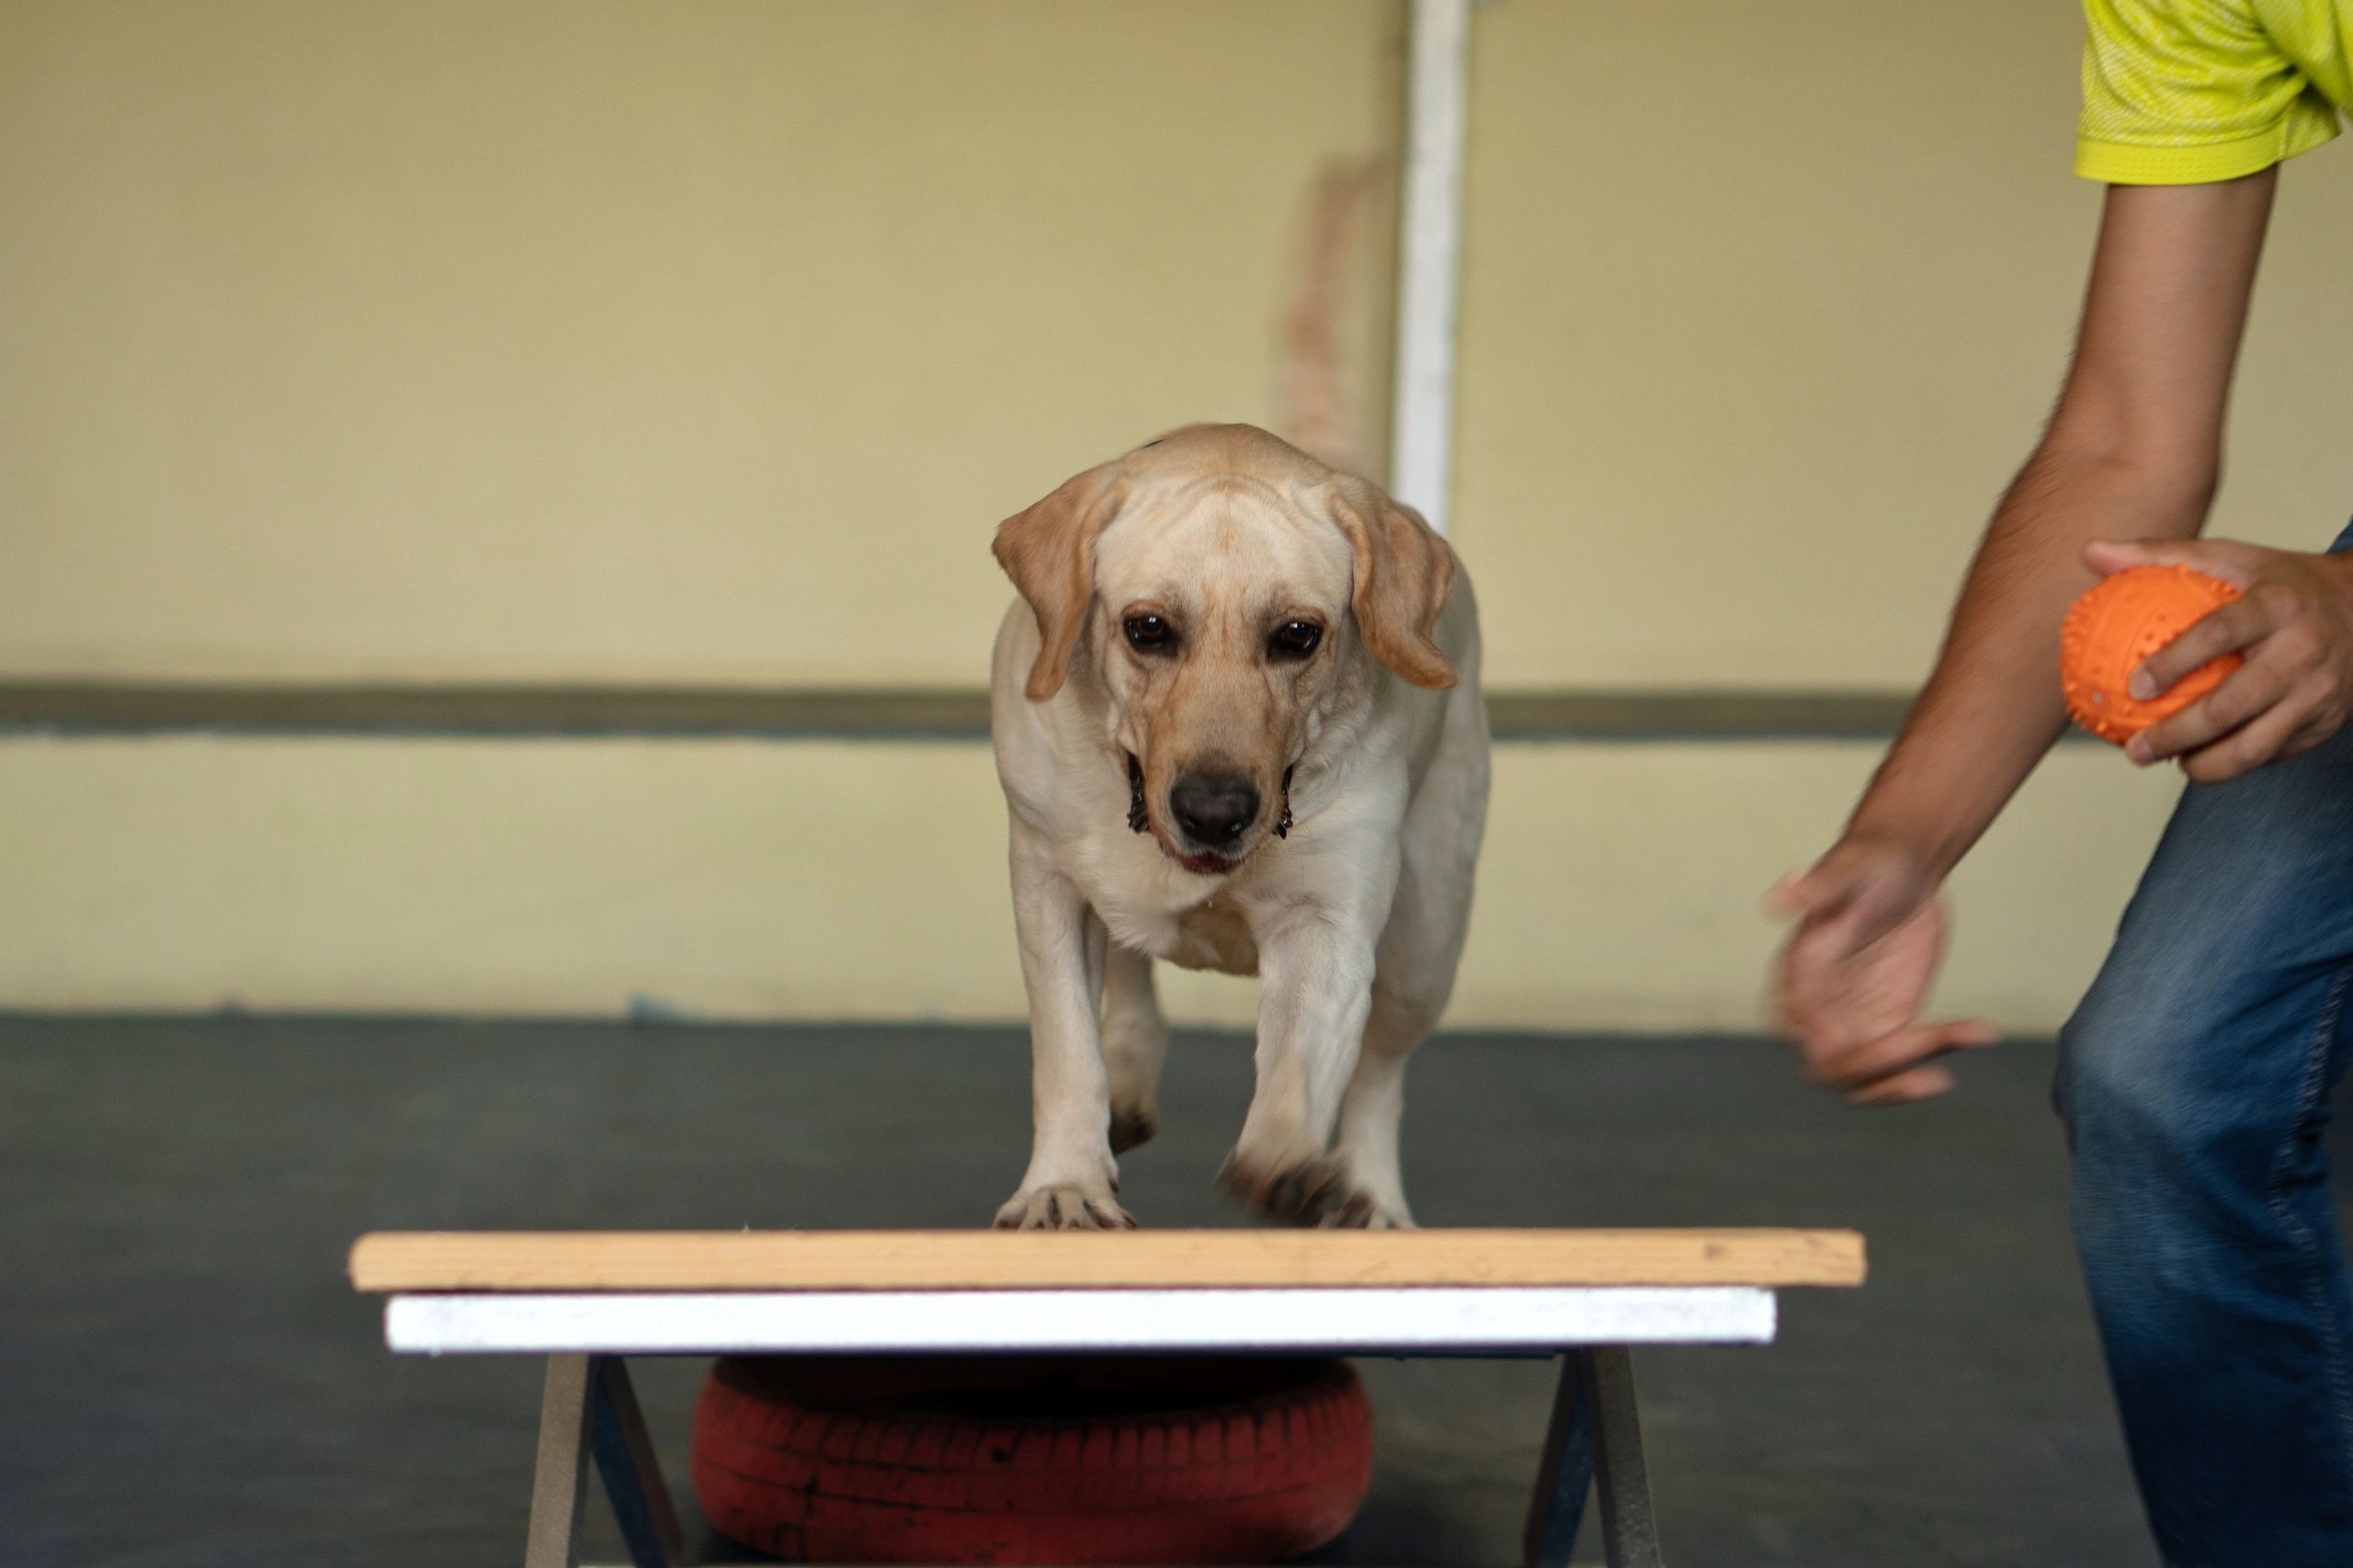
(1140, 815)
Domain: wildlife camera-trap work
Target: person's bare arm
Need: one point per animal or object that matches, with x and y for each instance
(2132, 451)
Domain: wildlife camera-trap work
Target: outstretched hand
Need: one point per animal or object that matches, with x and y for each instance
(2294, 623)
(1854, 972)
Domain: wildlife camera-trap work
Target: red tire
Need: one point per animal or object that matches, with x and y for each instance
(997, 1460)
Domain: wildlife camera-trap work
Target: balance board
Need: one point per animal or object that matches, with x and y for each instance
(588, 1300)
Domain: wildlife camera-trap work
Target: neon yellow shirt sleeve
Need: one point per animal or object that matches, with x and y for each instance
(2184, 92)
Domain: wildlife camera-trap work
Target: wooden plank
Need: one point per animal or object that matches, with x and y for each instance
(940, 1260)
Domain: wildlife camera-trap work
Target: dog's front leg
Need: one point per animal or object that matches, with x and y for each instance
(1315, 964)
(1071, 1179)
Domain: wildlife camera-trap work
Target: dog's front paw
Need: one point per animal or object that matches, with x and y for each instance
(1316, 1191)
(1068, 1207)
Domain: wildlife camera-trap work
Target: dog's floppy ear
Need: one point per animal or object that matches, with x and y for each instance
(1049, 551)
(1403, 572)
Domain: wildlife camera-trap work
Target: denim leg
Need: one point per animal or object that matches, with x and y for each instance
(2194, 1080)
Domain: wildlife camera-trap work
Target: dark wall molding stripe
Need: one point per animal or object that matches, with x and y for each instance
(110, 708)
(124, 707)
(1646, 716)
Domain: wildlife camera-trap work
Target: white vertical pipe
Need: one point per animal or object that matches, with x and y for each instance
(1429, 267)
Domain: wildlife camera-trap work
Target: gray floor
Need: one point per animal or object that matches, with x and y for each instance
(185, 1378)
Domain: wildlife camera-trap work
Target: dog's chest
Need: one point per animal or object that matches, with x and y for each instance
(1212, 935)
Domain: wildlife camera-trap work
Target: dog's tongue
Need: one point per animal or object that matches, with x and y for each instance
(1204, 865)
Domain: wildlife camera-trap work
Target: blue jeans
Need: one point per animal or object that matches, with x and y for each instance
(2194, 1080)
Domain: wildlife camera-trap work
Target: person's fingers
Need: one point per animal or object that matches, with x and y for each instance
(1898, 1053)
(1837, 988)
(1969, 1034)
(2236, 626)
(2316, 728)
(1800, 892)
(2108, 557)
(1872, 906)
(1805, 1004)
(1815, 956)
(2226, 559)
(1904, 1088)
(2251, 691)
(1824, 942)
(2248, 748)
(1887, 1055)
(1819, 890)
(1924, 1042)
(1818, 985)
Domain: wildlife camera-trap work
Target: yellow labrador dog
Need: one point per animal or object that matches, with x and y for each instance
(1238, 720)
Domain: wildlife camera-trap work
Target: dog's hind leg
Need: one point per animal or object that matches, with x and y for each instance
(1136, 1043)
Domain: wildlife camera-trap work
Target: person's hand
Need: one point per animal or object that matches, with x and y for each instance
(2293, 621)
(1854, 973)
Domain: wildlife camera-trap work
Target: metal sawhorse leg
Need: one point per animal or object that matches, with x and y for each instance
(1596, 1437)
(590, 1409)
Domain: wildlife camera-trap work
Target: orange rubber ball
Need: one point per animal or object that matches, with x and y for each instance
(2120, 623)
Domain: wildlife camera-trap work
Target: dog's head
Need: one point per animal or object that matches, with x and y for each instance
(1229, 593)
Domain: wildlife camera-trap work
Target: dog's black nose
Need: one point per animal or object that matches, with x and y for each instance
(1213, 809)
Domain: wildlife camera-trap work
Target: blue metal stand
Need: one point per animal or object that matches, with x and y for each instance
(1594, 1442)
(590, 1409)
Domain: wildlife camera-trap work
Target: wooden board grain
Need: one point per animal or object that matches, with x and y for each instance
(945, 1260)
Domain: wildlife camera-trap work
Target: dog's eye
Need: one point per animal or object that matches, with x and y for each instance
(1294, 639)
(1148, 634)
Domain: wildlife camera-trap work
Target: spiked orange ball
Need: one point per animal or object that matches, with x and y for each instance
(2120, 623)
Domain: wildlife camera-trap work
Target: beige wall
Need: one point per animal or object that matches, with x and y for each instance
(829, 880)
(1765, 302)
(630, 342)
(707, 341)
